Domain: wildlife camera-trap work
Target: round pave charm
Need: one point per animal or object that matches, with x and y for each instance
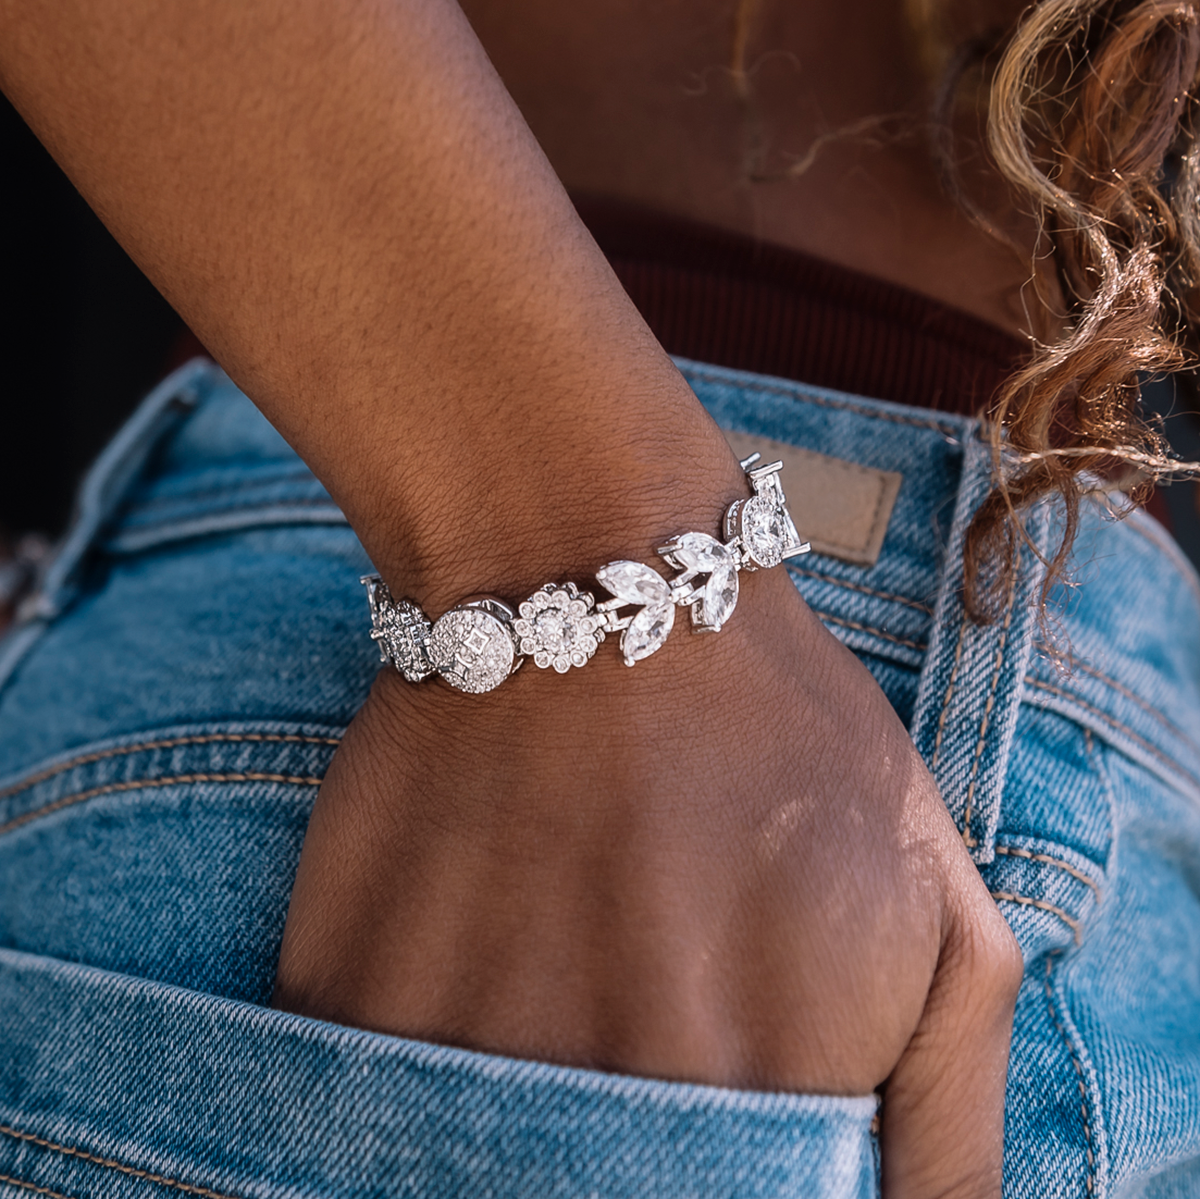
(557, 628)
(472, 646)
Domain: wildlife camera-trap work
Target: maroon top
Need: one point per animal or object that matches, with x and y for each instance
(726, 299)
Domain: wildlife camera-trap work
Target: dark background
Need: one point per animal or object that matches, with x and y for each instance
(86, 335)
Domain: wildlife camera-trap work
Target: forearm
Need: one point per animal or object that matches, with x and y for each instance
(343, 202)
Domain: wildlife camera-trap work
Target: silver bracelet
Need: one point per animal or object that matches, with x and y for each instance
(478, 644)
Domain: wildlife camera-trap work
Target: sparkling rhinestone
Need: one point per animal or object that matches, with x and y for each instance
(699, 552)
(402, 630)
(552, 630)
(556, 626)
(765, 530)
(634, 583)
(720, 596)
(647, 631)
(472, 649)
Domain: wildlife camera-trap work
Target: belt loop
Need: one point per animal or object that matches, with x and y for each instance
(973, 678)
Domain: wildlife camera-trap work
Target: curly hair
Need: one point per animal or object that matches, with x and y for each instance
(1091, 118)
(1085, 110)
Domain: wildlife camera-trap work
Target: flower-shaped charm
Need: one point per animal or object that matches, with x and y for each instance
(558, 628)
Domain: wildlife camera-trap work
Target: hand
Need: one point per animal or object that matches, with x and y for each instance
(727, 865)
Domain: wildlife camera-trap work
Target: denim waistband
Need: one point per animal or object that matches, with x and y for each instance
(200, 460)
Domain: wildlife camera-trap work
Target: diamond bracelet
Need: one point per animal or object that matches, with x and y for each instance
(478, 644)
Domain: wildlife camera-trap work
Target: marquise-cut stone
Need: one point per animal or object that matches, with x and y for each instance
(472, 649)
(647, 631)
(700, 552)
(720, 596)
(635, 583)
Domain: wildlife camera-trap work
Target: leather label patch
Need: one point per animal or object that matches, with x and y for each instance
(841, 507)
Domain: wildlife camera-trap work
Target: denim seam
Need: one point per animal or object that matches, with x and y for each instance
(884, 595)
(167, 781)
(1102, 774)
(866, 628)
(132, 525)
(1120, 727)
(33, 1187)
(132, 1171)
(231, 492)
(985, 720)
(1148, 708)
(825, 402)
(1079, 1076)
(168, 743)
(1027, 901)
(1014, 851)
(941, 729)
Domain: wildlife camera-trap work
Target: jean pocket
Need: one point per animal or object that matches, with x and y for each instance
(119, 1087)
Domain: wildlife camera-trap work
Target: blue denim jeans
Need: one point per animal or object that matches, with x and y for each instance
(172, 697)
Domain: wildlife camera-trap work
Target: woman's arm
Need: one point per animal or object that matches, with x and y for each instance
(346, 207)
(726, 865)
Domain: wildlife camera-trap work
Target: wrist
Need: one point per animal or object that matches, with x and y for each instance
(507, 518)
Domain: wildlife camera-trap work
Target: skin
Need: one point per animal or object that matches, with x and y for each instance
(726, 865)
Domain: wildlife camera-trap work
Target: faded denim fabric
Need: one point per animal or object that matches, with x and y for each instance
(173, 694)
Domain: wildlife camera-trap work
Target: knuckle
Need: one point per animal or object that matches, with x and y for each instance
(992, 955)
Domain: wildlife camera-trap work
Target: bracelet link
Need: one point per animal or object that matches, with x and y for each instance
(477, 644)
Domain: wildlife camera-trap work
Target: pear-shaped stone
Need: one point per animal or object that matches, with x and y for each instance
(765, 531)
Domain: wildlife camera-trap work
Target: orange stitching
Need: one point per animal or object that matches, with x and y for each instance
(985, 719)
(1161, 717)
(866, 628)
(885, 595)
(139, 784)
(132, 1171)
(170, 743)
(823, 402)
(958, 649)
(29, 1186)
(1079, 1079)
(1112, 722)
(1027, 901)
(1014, 852)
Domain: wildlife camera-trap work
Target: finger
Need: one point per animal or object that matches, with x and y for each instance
(943, 1110)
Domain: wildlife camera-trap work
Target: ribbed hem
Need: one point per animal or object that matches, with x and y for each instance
(722, 298)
